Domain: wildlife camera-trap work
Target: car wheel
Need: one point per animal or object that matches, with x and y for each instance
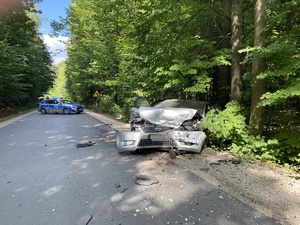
(65, 111)
(43, 111)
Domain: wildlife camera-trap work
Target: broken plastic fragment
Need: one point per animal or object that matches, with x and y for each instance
(81, 145)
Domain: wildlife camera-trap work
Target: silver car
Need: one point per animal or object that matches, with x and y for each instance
(170, 124)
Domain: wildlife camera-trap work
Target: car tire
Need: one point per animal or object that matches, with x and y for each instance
(65, 111)
(43, 111)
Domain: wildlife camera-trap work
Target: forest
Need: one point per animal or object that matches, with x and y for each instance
(242, 55)
(25, 62)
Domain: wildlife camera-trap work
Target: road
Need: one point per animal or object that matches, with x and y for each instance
(46, 180)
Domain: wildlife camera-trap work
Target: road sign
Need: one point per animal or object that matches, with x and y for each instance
(96, 94)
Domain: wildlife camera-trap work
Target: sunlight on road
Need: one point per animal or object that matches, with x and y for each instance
(83, 163)
(52, 190)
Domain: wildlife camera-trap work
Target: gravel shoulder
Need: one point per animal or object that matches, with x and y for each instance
(19, 117)
(272, 190)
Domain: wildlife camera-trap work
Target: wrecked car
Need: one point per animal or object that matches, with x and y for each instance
(169, 125)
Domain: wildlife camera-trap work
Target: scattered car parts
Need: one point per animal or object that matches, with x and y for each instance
(81, 145)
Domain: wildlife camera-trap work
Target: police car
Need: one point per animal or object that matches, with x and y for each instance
(59, 106)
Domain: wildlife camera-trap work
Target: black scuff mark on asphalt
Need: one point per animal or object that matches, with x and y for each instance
(89, 220)
(125, 189)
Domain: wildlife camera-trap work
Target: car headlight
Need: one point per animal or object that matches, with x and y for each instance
(127, 143)
(74, 107)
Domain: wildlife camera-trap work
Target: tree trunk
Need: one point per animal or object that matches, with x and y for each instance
(223, 89)
(258, 87)
(236, 37)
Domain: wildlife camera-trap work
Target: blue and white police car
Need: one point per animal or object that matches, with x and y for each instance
(59, 106)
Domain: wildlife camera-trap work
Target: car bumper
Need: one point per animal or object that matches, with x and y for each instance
(79, 110)
(191, 141)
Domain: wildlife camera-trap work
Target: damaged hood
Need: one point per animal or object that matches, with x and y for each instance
(168, 117)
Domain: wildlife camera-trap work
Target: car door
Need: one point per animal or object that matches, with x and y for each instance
(57, 108)
(48, 105)
(60, 107)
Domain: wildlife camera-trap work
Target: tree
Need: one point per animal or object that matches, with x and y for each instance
(25, 62)
(59, 87)
(236, 37)
(258, 87)
(283, 56)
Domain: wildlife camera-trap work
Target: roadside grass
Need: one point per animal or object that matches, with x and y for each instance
(8, 113)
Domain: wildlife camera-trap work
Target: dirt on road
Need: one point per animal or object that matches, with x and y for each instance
(272, 190)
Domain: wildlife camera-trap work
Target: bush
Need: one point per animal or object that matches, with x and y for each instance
(228, 130)
(227, 126)
(288, 149)
(283, 125)
(106, 104)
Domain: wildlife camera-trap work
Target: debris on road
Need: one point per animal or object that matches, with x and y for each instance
(225, 161)
(146, 180)
(85, 220)
(173, 153)
(81, 145)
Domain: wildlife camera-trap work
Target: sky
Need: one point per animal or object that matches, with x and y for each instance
(52, 10)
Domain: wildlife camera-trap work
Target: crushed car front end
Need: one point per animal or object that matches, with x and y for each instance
(163, 128)
(191, 141)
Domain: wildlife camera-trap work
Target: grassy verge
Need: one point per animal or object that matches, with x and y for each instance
(8, 113)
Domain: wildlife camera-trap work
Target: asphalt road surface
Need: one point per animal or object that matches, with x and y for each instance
(46, 180)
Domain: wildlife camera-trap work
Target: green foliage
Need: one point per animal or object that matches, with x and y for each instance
(281, 53)
(288, 149)
(256, 148)
(194, 75)
(106, 106)
(92, 62)
(59, 86)
(25, 72)
(227, 129)
(129, 48)
(290, 89)
(283, 125)
(227, 126)
(182, 49)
